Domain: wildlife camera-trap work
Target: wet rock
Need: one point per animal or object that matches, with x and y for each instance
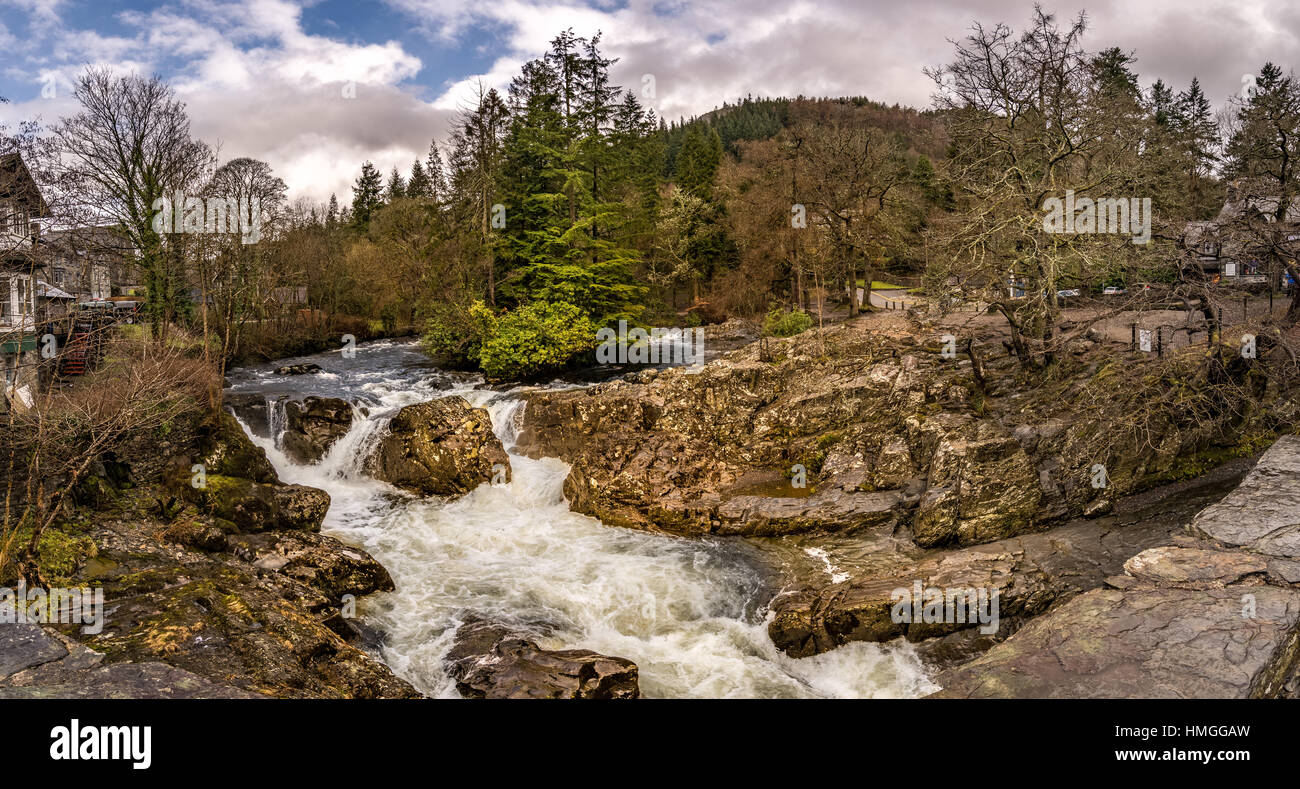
(830, 510)
(298, 369)
(1263, 513)
(490, 661)
(858, 418)
(1145, 643)
(1098, 508)
(268, 629)
(443, 447)
(225, 449)
(252, 409)
(313, 425)
(1031, 572)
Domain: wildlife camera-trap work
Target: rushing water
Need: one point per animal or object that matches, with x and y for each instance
(690, 613)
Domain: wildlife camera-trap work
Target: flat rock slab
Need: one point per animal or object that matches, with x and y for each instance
(130, 681)
(1263, 513)
(25, 645)
(1145, 643)
(830, 510)
(1194, 568)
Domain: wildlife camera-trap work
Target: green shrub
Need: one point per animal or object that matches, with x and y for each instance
(537, 338)
(456, 332)
(785, 323)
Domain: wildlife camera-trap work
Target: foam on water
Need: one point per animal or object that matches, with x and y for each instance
(690, 613)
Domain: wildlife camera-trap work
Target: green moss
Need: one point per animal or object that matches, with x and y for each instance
(827, 440)
(61, 553)
(1191, 466)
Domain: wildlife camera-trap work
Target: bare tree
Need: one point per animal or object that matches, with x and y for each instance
(128, 148)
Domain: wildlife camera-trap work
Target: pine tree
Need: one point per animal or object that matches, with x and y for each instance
(1160, 103)
(698, 161)
(418, 186)
(396, 188)
(476, 162)
(332, 213)
(367, 195)
(1197, 128)
(437, 176)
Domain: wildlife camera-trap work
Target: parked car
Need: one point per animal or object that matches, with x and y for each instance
(1063, 295)
(1113, 291)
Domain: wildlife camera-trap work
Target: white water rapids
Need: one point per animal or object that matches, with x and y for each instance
(690, 613)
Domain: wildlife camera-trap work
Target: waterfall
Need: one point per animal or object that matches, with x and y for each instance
(690, 613)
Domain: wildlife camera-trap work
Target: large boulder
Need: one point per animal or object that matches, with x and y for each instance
(443, 447)
(489, 661)
(225, 449)
(258, 506)
(313, 425)
(233, 480)
(331, 567)
(866, 416)
(1184, 620)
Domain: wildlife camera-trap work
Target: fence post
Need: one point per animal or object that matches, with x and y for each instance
(1160, 341)
(1133, 338)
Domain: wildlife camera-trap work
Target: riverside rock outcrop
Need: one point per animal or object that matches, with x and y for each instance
(490, 661)
(1198, 618)
(444, 447)
(198, 604)
(867, 417)
(234, 481)
(1263, 514)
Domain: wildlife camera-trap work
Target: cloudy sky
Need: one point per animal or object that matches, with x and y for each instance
(268, 78)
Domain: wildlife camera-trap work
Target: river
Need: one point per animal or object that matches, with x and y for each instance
(691, 613)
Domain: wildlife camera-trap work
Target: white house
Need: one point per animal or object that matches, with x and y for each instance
(21, 205)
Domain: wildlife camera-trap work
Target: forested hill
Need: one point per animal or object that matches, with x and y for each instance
(750, 119)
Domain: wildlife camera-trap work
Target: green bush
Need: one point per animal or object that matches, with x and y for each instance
(785, 323)
(537, 338)
(456, 332)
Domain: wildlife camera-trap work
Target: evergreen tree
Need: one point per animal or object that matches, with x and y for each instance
(437, 175)
(1196, 127)
(367, 195)
(419, 186)
(332, 213)
(1160, 103)
(396, 188)
(698, 160)
(1110, 69)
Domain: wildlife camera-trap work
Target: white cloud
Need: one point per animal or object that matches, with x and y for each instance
(262, 86)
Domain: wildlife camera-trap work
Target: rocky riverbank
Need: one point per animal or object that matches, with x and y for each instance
(216, 581)
(863, 461)
(1212, 614)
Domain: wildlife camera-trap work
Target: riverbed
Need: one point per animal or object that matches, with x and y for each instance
(690, 612)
